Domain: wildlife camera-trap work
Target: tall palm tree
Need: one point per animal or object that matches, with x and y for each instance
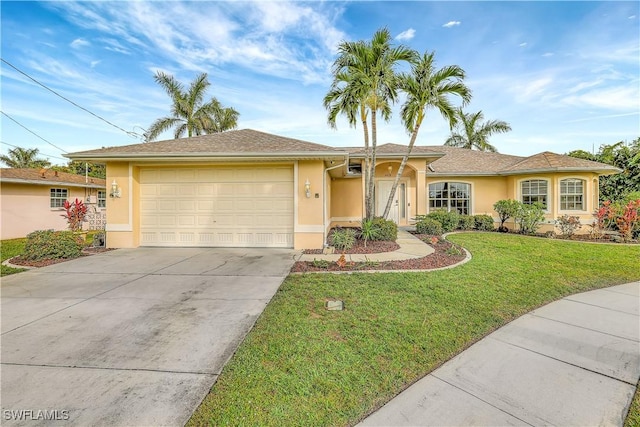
(471, 132)
(24, 158)
(365, 82)
(427, 88)
(189, 113)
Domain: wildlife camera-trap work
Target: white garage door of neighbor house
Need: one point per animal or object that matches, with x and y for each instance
(217, 206)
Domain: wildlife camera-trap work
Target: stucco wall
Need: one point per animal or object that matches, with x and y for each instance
(310, 214)
(121, 230)
(26, 208)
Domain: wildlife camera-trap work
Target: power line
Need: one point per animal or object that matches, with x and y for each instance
(29, 130)
(44, 154)
(130, 133)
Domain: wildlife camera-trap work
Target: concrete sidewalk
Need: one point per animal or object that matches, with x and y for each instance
(410, 247)
(572, 362)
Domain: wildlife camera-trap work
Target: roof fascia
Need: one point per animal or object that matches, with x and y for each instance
(235, 157)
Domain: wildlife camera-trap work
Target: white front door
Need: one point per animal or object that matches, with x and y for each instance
(382, 196)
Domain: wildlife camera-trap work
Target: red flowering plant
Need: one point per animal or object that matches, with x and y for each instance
(75, 214)
(629, 220)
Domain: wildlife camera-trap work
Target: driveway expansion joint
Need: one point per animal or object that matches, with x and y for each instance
(584, 327)
(164, 371)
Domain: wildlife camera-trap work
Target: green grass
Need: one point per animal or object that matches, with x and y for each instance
(9, 249)
(633, 418)
(303, 365)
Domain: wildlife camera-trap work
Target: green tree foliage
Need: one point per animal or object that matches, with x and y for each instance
(190, 115)
(24, 158)
(623, 155)
(471, 132)
(365, 85)
(95, 170)
(506, 209)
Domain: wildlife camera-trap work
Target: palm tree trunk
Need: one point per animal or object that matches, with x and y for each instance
(365, 127)
(394, 187)
(372, 167)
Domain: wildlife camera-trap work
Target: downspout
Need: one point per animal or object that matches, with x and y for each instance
(324, 202)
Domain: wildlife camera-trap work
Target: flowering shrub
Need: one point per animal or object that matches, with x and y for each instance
(568, 225)
(628, 220)
(621, 217)
(75, 214)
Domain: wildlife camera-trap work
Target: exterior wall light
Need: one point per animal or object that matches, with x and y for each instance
(307, 188)
(115, 190)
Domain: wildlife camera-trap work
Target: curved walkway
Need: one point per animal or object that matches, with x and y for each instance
(410, 247)
(575, 362)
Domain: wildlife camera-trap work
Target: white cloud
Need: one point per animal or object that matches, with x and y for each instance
(406, 35)
(547, 54)
(451, 24)
(94, 63)
(632, 17)
(523, 44)
(79, 43)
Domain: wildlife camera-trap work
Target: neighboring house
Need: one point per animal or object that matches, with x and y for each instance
(33, 199)
(248, 188)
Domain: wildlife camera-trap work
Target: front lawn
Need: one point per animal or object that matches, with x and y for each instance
(9, 249)
(303, 365)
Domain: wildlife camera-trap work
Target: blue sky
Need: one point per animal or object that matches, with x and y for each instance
(564, 75)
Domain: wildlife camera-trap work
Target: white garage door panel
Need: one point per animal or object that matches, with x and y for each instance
(217, 206)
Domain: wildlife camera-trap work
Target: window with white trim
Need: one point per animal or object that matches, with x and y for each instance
(535, 190)
(572, 194)
(102, 199)
(452, 196)
(58, 197)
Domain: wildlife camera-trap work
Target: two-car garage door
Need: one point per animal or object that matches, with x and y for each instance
(217, 206)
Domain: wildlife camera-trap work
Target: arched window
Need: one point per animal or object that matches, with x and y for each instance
(535, 190)
(450, 196)
(572, 194)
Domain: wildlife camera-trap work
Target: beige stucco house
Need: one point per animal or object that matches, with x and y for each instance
(249, 188)
(33, 199)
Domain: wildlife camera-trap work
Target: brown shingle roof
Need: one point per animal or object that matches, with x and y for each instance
(471, 162)
(234, 143)
(548, 161)
(48, 177)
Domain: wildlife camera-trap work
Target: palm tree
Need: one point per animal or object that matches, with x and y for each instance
(365, 82)
(188, 112)
(472, 133)
(24, 158)
(427, 88)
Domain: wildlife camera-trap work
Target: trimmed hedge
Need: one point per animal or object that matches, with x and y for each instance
(448, 220)
(49, 244)
(387, 230)
(429, 226)
(484, 222)
(466, 222)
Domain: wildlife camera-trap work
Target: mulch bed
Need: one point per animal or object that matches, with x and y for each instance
(443, 256)
(45, 262)
(373, 247)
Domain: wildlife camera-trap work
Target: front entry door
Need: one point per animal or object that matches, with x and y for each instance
(398, 206)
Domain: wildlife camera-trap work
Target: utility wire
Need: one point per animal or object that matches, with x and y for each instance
(44, 154)
(29, 130)
(130, 133)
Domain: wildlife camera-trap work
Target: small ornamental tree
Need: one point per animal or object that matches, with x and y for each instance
(75, 214)
(506, 209)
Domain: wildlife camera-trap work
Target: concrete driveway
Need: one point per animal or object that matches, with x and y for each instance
(129, 337)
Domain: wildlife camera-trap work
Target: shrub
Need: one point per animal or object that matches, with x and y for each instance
(483, 222)
(628, 220)
(529, 217)
(75, 214)
(448, 220)
(49, 244)
(387, 229)
(466, 222)
(369, 231)
(568, 225)
(343, 239)
(429, 226)
(506, 209)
